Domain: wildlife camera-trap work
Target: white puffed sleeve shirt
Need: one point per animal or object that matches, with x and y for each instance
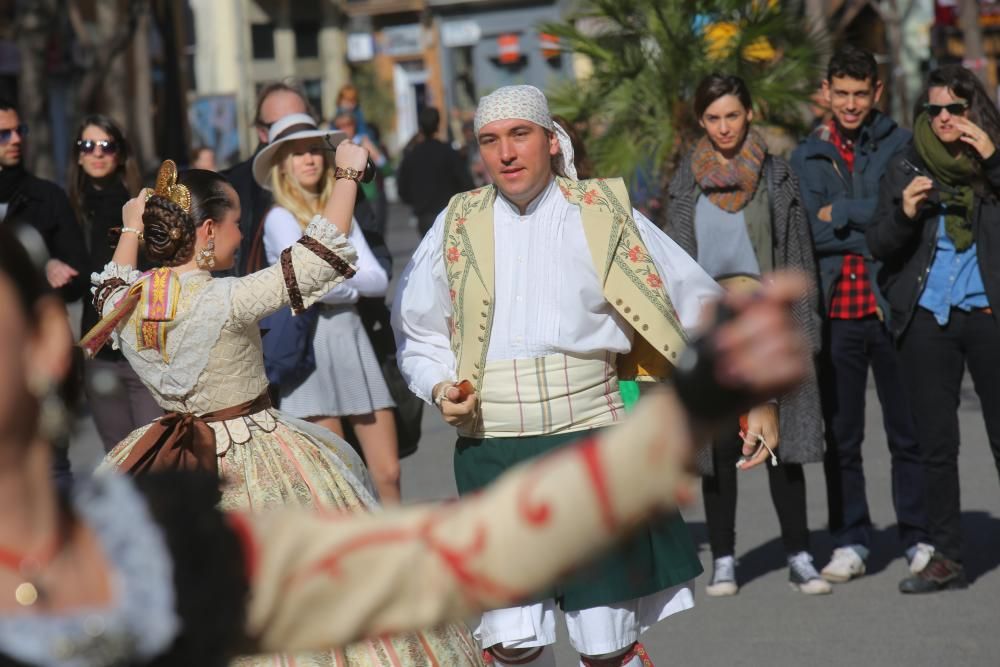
(547, 298)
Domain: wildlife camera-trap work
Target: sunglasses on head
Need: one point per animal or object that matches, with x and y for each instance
(8, 133)
(954, 109)
(107, 146)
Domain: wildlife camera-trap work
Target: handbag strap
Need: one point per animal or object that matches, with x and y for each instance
(255, 259)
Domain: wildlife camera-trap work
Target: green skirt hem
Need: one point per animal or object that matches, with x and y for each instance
(657, 556)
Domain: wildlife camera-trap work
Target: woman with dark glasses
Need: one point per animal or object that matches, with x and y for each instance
(937, 228)
(101, 180)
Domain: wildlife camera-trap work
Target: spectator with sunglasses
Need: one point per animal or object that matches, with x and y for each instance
(839, 167)
(103, 178)
(937, 230)
(25, 198)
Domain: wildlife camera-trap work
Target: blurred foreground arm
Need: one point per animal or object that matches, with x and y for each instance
(322, 581)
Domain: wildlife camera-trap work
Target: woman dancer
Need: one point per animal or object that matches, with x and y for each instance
(102, 179)
(936, 230)
(195, 342)
(347, 382)
(116, 574)
(735, 208)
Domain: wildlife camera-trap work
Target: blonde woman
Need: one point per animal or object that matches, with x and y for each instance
(347, 382)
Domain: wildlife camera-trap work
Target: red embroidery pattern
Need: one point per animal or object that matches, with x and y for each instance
(595, 473)
(459, 560)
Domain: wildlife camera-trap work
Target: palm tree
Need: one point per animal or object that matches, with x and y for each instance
(647, 57)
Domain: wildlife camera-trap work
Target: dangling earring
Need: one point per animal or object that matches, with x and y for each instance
(206, 256)
(53, 417)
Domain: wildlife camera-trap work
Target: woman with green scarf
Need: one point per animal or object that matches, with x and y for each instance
(937, 229)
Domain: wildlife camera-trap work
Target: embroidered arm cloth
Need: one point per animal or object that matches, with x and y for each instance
(281, 230)
(261, 293)
(323, 581)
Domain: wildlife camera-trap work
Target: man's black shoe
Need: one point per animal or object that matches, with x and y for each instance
(940, 574)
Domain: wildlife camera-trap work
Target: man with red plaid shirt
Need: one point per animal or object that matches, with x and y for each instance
(839, 168)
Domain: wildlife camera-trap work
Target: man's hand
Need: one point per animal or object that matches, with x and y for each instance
(454, 410)
(825, 214)
(59, 273)
(762, 421)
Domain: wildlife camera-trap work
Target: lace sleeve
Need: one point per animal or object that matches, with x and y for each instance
(110, 284)
(306, 271)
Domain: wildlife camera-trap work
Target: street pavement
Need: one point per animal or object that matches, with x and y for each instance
(865, 622)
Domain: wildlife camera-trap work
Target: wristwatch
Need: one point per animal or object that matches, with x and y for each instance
(349, 173)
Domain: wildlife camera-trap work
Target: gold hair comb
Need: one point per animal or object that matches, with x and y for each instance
(168, 188)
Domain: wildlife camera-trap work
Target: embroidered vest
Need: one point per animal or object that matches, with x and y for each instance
(630, 280)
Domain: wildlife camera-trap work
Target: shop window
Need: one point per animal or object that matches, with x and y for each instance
(314, 93)
(262, 41)
(306, 40)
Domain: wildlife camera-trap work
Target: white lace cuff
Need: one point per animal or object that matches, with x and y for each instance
(111, 270)
(328, 234)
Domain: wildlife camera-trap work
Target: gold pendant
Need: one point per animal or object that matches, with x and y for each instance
(26, 594)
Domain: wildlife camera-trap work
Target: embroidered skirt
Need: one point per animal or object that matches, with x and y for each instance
(273, 461)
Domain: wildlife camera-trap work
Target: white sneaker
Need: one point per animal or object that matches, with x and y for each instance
(920, 557)
(723, 581)
(844, 565)
(804, 578)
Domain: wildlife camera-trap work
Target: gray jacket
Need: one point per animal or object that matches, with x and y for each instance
(800, 415)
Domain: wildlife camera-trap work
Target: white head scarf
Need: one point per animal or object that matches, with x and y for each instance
(524, 103)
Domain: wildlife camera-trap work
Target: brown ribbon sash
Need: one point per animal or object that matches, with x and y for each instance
(185, 441)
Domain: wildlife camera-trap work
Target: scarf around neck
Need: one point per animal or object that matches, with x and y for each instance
(956, 172)
(729, 186)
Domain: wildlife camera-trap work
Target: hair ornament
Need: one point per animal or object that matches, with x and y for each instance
(168, 188)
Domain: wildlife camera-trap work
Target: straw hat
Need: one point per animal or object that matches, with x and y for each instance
(288, 128)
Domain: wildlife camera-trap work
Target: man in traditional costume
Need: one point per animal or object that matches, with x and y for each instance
(541, 292)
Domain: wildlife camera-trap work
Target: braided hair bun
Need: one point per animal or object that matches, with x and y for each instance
(169, 232)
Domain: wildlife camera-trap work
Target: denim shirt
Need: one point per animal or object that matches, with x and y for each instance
(954, 280)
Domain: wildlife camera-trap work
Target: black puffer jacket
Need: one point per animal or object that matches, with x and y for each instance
(906, 247)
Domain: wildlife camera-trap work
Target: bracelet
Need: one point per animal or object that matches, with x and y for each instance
(349, 173)
(133, 230)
